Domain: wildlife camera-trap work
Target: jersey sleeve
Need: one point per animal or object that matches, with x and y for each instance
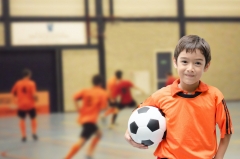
(223, 118)
(78, 95)
(152, 101)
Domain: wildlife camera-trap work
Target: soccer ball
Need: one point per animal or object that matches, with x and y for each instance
(147, 125)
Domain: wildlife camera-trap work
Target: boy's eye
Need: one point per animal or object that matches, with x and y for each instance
(198, 63)
(184, 62)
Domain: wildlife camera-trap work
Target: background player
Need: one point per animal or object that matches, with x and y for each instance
(123, 92)
(192, 108)
(24, 94)
(111, 86)
(93, 101)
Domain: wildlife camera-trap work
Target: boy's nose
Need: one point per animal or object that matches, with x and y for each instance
(190, 68)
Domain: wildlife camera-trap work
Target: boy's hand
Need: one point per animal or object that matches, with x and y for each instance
(134, 144)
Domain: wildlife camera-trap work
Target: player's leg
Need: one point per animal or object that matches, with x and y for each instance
(22, 124)
(85, 135)
(114, 116)
(94, 142)
(110, 109)
(75, 148)
(33, 114)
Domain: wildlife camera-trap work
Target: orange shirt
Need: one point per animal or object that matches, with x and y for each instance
(191, 121)
(111, 86)
(93, 100)
(24, 91)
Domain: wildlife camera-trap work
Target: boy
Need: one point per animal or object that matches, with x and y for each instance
(192, 109)
(24, 92)
(93, 101)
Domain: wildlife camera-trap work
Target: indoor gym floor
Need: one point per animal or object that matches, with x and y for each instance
(57, 133)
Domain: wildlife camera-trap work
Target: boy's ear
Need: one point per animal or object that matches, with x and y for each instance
(174, 63)
(206, 67)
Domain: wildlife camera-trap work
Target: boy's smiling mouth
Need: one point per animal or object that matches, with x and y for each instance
(189, 75)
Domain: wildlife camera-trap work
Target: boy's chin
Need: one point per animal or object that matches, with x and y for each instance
(188, 82)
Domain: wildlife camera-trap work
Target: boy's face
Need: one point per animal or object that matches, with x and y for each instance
(190, 66)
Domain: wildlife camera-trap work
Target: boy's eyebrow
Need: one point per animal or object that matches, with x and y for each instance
(194, 59)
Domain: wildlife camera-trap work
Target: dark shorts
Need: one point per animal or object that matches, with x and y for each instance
(88, 130)
(22, 113)
(132, 104)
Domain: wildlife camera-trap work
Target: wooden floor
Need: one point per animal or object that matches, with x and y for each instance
(57, 132)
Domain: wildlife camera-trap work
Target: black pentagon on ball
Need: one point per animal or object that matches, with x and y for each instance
(153, 125)
(133, 127)
(143, 110)
(147, 142)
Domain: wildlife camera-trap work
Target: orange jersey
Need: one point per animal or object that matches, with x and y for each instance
(191, 121)
(24, 91)
(111, 86)
(123, 89)
(93, 100)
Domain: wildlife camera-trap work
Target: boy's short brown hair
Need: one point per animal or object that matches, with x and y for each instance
(118, 74)
(97, 80)
(26, 72)
(190, 43)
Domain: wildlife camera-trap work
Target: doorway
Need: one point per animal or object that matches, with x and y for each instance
(42, 63)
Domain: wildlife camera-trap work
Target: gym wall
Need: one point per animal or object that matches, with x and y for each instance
(78, 68)
(143, 8)
(0, 7)
(132, 47)
(65, 8)
(212, 8)
(46, 8)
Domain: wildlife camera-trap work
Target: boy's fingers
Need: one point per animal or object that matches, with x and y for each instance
(133, 143)
(139, 145)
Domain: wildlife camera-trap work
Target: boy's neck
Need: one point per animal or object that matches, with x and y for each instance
(188, 88)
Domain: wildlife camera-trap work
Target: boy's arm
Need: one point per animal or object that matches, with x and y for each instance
(76, 98)
(139, 89)
(222, 146)
(76, 104)
(223, 119)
